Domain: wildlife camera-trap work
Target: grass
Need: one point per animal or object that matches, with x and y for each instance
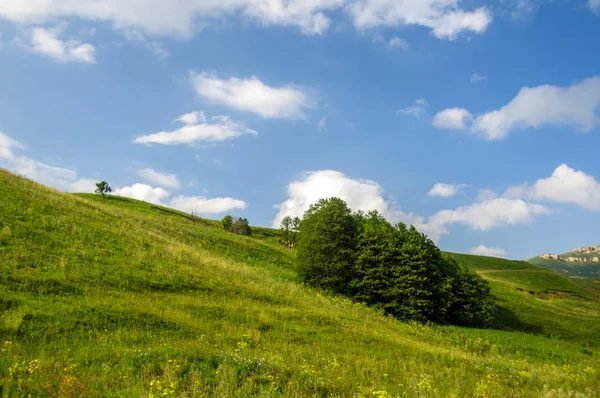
(116, 297)
(574, 270)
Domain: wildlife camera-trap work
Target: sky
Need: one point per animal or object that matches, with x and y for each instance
(475, 121)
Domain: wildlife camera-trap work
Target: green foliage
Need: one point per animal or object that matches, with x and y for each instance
(289, 229)
(227, 222)
(128, 299)
(394, 268)
(241, 226)
(327, 245)
(103, 188)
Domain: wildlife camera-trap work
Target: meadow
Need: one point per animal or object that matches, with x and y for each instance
(116, 297)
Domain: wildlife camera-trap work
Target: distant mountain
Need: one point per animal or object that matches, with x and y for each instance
(583, 262)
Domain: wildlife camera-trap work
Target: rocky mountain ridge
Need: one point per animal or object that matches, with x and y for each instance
(575, 255)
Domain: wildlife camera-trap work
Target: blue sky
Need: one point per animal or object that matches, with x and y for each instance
(475, 121)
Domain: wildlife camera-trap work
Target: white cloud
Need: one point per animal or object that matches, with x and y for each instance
(206, 206)
(55, 177)
(453, 118)
(48, 43)
(143, 192)
(396, 42)
(444, 18)
(482, 250)
(192, 117)
(252, 95)
(534, 107)
(322, 124)
(595, 5)
(445, 190)
(417, 110)
(565, 185)
(220, 128)
(158, 178)
(359, 195)
(488, 214)
(477, 78)
(160, 196)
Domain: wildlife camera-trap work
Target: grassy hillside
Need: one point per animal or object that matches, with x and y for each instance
(122, 298)
(574, 270)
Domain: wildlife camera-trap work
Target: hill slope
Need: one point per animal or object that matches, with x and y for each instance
(124, 298)
(583, 262)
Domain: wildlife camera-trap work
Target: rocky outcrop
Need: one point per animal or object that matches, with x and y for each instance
(586, 250)
(549, 256)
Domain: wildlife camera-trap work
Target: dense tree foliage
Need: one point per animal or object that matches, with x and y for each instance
(327, 244)
(395, 268)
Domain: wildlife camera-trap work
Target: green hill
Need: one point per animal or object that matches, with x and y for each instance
(588, 265)
(116, 297)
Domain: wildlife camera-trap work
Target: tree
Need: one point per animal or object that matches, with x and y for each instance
(295, 230)
(392, 267)
(227, 222)
(327, 245)
(286, 230)
(103, 188)
(241, 226)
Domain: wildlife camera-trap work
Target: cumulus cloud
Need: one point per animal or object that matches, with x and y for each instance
(159, 178)
(417, 110)
(48, 43)
(358, 193)
(252, 95)
(482, 250)
(535, 107)
(160, 196)
(477, 78)
(55, 177)
(197, 130)
(488, 214)
(565, 185)
(454, 118)
(445, 190)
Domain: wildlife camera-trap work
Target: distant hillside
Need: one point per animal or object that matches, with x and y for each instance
(117, 297)
(583, 262)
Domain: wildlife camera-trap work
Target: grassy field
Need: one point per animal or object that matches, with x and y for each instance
(115, 297)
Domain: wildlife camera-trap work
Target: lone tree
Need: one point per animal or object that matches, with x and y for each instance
(286, 230)
(103, 188)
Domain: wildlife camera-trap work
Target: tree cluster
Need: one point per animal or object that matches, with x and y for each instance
(289, 229)
(237, 225)
(391, 267)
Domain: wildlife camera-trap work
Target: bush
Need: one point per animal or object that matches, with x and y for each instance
(227, 222)
(395, 268)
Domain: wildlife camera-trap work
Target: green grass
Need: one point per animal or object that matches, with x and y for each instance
(118, 297)
(573, 270)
